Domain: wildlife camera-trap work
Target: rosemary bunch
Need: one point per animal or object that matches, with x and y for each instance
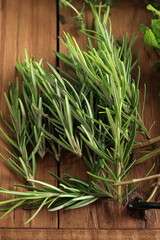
(95, 115)
(108, 102)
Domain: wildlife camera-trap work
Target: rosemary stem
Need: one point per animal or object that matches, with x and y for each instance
(119, 165)
(154, 190)
(146, 143)
(31, 177)
(54, 150)
(144, 129)
(66, 3)
(119, 188)
(136, 180)
(76, 147)
(152, 193)
(150, 155)
(29, 172)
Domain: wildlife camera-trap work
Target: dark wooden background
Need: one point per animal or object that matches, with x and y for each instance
(34, 25)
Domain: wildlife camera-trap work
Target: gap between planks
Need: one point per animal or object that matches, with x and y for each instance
(57, 65)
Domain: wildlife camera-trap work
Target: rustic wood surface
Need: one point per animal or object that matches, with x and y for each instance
(24, 25)
(33, 24)
(79, 234)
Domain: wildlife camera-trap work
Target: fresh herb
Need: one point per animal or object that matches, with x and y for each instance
(152, 39)
(152, 35)
(95, 115)
(26, 125)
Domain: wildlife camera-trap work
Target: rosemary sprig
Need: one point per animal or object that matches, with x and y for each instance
(20, 129)
(31, 96)
(68, 196)
(26, 125)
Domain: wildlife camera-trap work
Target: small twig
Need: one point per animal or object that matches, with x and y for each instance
(136, 180)
(79, 153)
(156, 186)
(143, 127)
(31, 177)
(54, 150)
(146, 143)
(153, 193)
(148, 156)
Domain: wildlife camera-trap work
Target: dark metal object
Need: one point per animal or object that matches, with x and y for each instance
(138, 207)
(137, 204)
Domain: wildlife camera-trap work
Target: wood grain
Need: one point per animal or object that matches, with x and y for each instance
(1, 4)
(37, 33)
(125, 17)
(70, 234)
(25, 25)
(33, 25)
(83, 217)
(71, 164)
(9, 28)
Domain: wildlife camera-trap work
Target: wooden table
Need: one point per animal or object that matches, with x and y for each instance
(34, 25)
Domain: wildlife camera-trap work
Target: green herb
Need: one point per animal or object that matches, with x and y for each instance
(152, 39)
(152, 35)
(95, 115)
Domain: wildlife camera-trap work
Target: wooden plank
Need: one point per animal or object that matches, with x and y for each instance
(137, 14)
(38, 36)
(27, 24)
(65, 234)
(32, 25)
(1, 4)
(84, 217)
(125, 17)
(38, 29)
(8, 47)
